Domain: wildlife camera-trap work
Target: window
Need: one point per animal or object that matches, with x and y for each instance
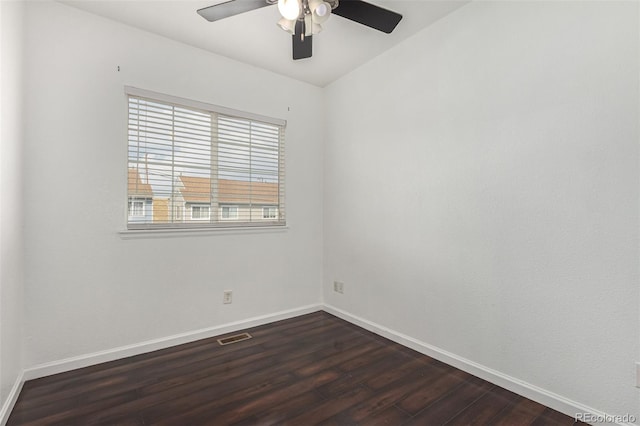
(136, 207)
(269, 212)
(200, 212)
(193, 157)
(229, 212)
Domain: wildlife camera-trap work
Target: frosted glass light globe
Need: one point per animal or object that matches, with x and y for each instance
(289, 9)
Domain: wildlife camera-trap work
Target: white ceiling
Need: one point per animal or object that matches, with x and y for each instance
(254, 38)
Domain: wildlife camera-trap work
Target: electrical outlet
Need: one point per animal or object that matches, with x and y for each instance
(227, 296)
(338, 287)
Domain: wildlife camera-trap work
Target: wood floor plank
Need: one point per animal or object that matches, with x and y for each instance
(450, 405)
(391, 375)
(313, 369)
(354, 378)
(251, 407)
(365, 359)
(390, 416)
(236, 394)
(439, 383)
(392, 394)
(329, 408)
(290, 408)
(485, 408)
(523, 412)
(335, 359)
(68, 411)
(551, 417)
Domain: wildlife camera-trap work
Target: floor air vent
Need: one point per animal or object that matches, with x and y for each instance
(234, 339)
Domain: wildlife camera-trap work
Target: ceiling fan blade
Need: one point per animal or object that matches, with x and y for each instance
(302, 45)
(368, 14)
(230, 8)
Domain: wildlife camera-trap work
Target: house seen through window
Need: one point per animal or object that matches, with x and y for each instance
(192, 164)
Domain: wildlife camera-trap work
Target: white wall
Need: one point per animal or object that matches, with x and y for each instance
(481, 193)
(87, 289)
(11, 193)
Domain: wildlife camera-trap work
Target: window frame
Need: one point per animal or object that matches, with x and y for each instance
(235, 217)
(268, 209)
(131, 202)
(201, 206)
(211, 223)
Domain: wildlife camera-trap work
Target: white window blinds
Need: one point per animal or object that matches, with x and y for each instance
(192, 164)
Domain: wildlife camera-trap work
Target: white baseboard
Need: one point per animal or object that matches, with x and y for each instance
(11, 399)
(542, 396)
(81, 361)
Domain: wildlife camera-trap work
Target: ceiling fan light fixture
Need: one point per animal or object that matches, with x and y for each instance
(303, 18)
(289, 9)
(320, 11)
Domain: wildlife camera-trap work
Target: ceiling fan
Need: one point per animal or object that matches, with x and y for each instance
(303, 18)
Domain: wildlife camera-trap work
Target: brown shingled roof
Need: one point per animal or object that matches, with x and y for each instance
(197, 190)
(136, 187)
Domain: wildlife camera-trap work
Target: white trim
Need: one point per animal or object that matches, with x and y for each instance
(81, 361)
(542, 396)
(134, 91)
(10, 402)
(131, 234)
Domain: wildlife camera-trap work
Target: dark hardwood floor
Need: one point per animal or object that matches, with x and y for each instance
(313, 369)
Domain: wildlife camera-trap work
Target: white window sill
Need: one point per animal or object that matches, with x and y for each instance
(130, 234)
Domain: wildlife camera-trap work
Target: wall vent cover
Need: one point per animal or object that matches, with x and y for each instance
(234, 339)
